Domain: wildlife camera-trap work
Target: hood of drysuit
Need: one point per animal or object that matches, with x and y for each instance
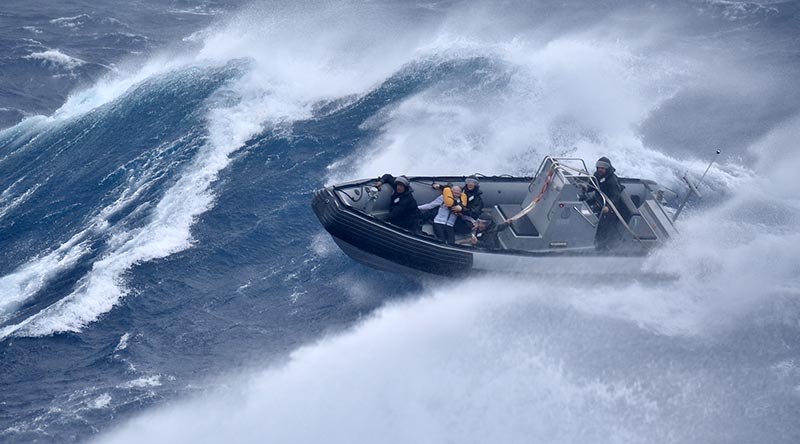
(476, 192)
(609, 171)
(404, 193)
(489, 224)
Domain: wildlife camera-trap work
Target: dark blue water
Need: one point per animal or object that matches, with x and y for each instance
(50, 49)
(163, 277)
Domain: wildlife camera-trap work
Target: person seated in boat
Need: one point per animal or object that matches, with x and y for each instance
(403, 210)
(485, 232)
(430, 214)
(471, 202)
(609, 185)
(448, 194)
(449, 206)
(474, 208)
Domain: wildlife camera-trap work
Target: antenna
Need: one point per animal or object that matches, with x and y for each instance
(692, 187)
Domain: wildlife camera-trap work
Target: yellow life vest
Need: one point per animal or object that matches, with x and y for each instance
(449, 200)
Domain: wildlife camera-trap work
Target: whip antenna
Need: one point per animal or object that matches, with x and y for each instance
(693, 187)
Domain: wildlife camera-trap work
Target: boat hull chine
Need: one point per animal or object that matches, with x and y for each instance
(383, 245)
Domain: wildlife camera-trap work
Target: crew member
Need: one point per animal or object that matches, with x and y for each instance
(403, 210)
(471, 203)
(450, 205)
(610, 186)
(485, 232)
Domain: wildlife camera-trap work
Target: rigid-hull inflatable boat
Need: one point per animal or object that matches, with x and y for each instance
(553, 231)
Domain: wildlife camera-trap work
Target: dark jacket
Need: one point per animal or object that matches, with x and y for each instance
(488, 237)
(403, 210)
(606, 232)
(474, 202)
(610, 186)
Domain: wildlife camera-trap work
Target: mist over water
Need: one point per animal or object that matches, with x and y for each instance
(283, 98)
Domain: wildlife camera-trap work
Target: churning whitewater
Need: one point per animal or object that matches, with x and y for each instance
(163, 277)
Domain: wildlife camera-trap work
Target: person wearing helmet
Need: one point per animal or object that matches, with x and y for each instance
(610, 186)
(609, 182)
(474, 208)
(485, 232)
(470, 202)
(452, 201)
(449, 206)
(472, 188)
(403, 210)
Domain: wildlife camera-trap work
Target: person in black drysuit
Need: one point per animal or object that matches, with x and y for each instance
(403, 210)
(610, 186)
(484, 235)
(474, 208)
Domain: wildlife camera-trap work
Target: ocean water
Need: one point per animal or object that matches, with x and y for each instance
(163, 278)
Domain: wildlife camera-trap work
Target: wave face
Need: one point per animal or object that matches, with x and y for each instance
(159, 247)
(48, 52)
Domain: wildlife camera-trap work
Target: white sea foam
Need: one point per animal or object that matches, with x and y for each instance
(71, 22)
(9, 203)
(739, 10)
(552, 99)
(168, 231)
(101, 402)
(323, 245)
(143, 382)
(25, 282)
(56, 57)
(123, 342)
(197, 10)
(467, 363)
(28, 279)
(112, 88)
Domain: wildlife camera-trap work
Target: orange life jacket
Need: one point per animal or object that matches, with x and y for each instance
(449, 200)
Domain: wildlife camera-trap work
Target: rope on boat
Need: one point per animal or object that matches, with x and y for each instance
(536, 200)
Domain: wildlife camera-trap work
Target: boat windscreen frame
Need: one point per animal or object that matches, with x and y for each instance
(568, 173)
